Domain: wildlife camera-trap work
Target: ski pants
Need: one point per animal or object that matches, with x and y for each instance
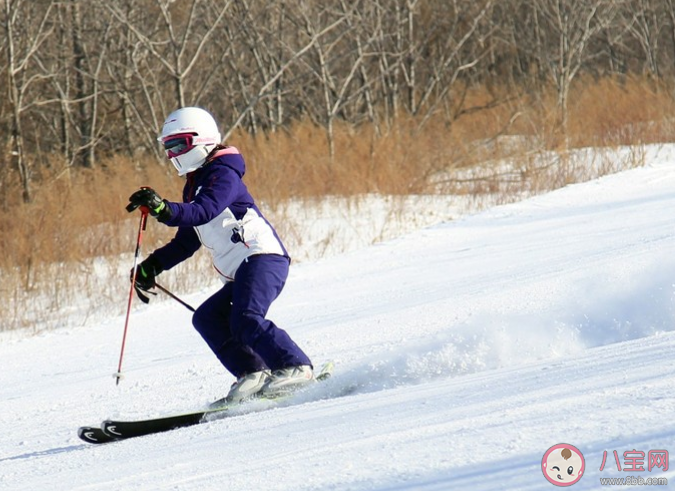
(233, 320)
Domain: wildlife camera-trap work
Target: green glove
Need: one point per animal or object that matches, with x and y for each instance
(147, 271)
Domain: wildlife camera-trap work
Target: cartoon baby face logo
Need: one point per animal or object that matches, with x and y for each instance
(563, 465)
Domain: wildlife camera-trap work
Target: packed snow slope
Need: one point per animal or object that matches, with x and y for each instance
(464, 351)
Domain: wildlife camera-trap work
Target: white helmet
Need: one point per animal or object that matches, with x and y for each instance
(189, 134)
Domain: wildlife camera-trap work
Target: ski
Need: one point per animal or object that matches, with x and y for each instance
(132, 429)
(113, 430)
(94, 435)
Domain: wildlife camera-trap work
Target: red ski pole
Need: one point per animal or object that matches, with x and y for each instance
(141, 228)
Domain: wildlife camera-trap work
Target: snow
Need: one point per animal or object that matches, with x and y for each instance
(464, 351)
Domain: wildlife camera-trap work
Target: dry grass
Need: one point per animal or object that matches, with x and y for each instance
(62, 249)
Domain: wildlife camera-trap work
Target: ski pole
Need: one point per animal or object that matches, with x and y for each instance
(141, 228)
(183, 303)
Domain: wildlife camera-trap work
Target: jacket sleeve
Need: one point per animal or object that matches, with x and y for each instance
(219, 189)
(184, 244)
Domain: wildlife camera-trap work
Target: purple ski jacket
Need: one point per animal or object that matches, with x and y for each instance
(219, 213)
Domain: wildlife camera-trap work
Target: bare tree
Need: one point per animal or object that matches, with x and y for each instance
(178, 43)
(26, 32)
(292, 55)
(567, 29)
(330, 59)
(459, 48)
(644, 24)
(84, 77)
(364, 22)
(670, 16)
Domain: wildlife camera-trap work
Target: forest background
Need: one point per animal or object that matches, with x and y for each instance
(337, 99)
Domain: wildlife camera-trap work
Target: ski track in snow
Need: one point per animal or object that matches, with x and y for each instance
(464, 351)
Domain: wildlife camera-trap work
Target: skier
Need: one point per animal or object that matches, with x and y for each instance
(218, 212)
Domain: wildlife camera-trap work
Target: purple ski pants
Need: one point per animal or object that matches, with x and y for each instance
(233, 323)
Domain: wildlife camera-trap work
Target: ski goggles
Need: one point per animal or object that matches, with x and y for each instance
(177, 145)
